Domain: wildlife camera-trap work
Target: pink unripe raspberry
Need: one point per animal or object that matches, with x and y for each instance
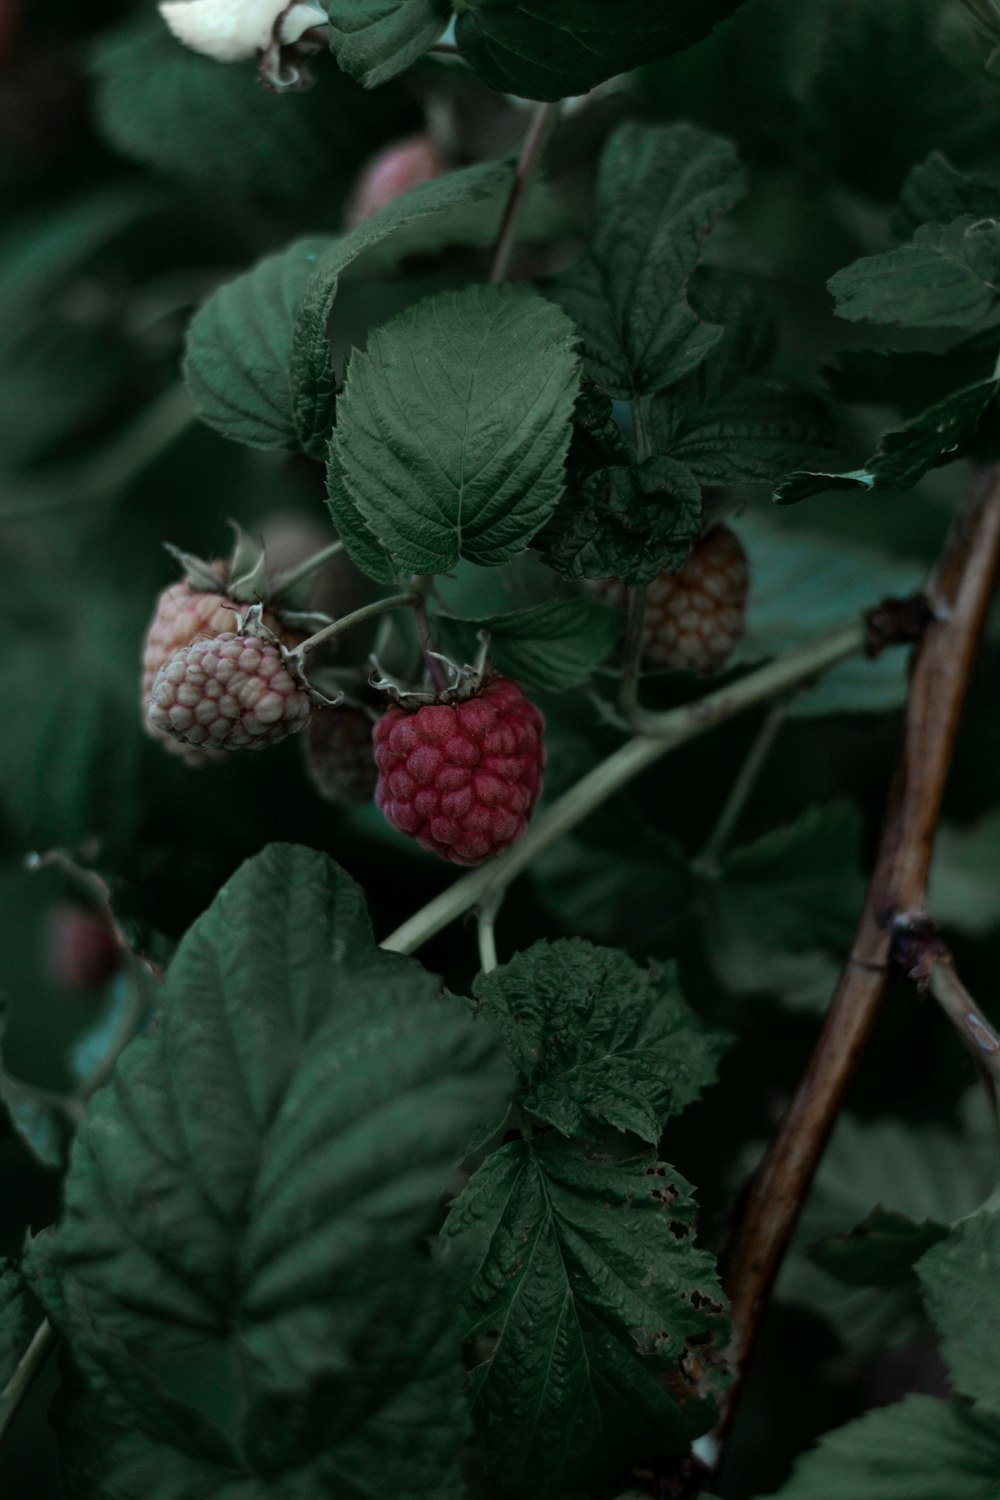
(185, 614)
(391, 173)
(462, 778)
(232, 692)
(695, 617)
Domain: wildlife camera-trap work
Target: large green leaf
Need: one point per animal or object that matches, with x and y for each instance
(750, 433)
(921, 1449)
(944, 277)
(237, 1271)
(879, 1251)
(549, 646)
(596, 1040)
(961, 1295)
(258, 360)
(373, 40)
(778, 915)
(603, 1312)
(454, 424)
(565, 47)
(660, 190)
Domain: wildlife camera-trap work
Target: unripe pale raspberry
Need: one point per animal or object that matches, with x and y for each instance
(695, 617)
(84, 950)
(462, 778)
(339, 756)
(391, 173)
(185, 614)
(233, 692)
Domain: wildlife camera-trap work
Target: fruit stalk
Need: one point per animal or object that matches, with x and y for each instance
(960, 594)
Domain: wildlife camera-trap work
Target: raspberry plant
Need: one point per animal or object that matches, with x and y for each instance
(624, 1161)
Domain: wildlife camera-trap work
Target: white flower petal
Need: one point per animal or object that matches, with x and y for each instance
(228, 30)
(299, 19)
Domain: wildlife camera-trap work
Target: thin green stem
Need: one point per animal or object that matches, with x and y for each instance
(542, 125)
(428, 646)
(29, 1366)
(356, 617)
(742, 788)
(635, 606)
(661, 733)
(487, 939)
(286, 581)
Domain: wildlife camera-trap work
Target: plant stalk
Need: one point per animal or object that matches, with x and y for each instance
(661, 733)
(958, 1005)
(356, 617)
(306, 569)
(543, 123)
(29, 1367)
(742, 787)
(943, 663)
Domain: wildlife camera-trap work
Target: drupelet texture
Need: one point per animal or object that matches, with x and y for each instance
(462, 779)
(185, 614)
(232, 692)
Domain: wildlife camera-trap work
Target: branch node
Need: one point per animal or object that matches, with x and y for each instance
(897, 622)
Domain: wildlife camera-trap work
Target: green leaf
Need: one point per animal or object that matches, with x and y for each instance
(936, 192)
(878, 1252)
(921, 1448)
(803, 584)
(752, 433)
(373, 40)
(779, 914)
(453, 426)
(568, 46)
(660, 190)
(364, 547)
(944, 277)
(258, 360)
(240, 348)
(299, 1077)
(964, 424)
(20, 1316)
(180, 113)
(596, 1040)
(628, 522)
(549, 646)
(603, 1311)
(960, 1293)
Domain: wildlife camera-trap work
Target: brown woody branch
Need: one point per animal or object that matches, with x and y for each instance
(959, 594)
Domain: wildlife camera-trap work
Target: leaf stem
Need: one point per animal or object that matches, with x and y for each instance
(960, 594)
(356, 617)
(742, 788)
(485, 924)
(661, 733)
(543, 123)
(286, 581)
(28, 1369)
(958, 1005)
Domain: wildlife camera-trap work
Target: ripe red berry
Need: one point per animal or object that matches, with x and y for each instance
(695, 617)
(391, 173)
(183, 615)
(462, 778)
(232, 692)
(339, 756)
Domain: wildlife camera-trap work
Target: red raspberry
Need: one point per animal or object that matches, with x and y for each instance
(695, 617)
(233, 692)
(391, 173)
(338, 752)
(462, 778)
(185, 614)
